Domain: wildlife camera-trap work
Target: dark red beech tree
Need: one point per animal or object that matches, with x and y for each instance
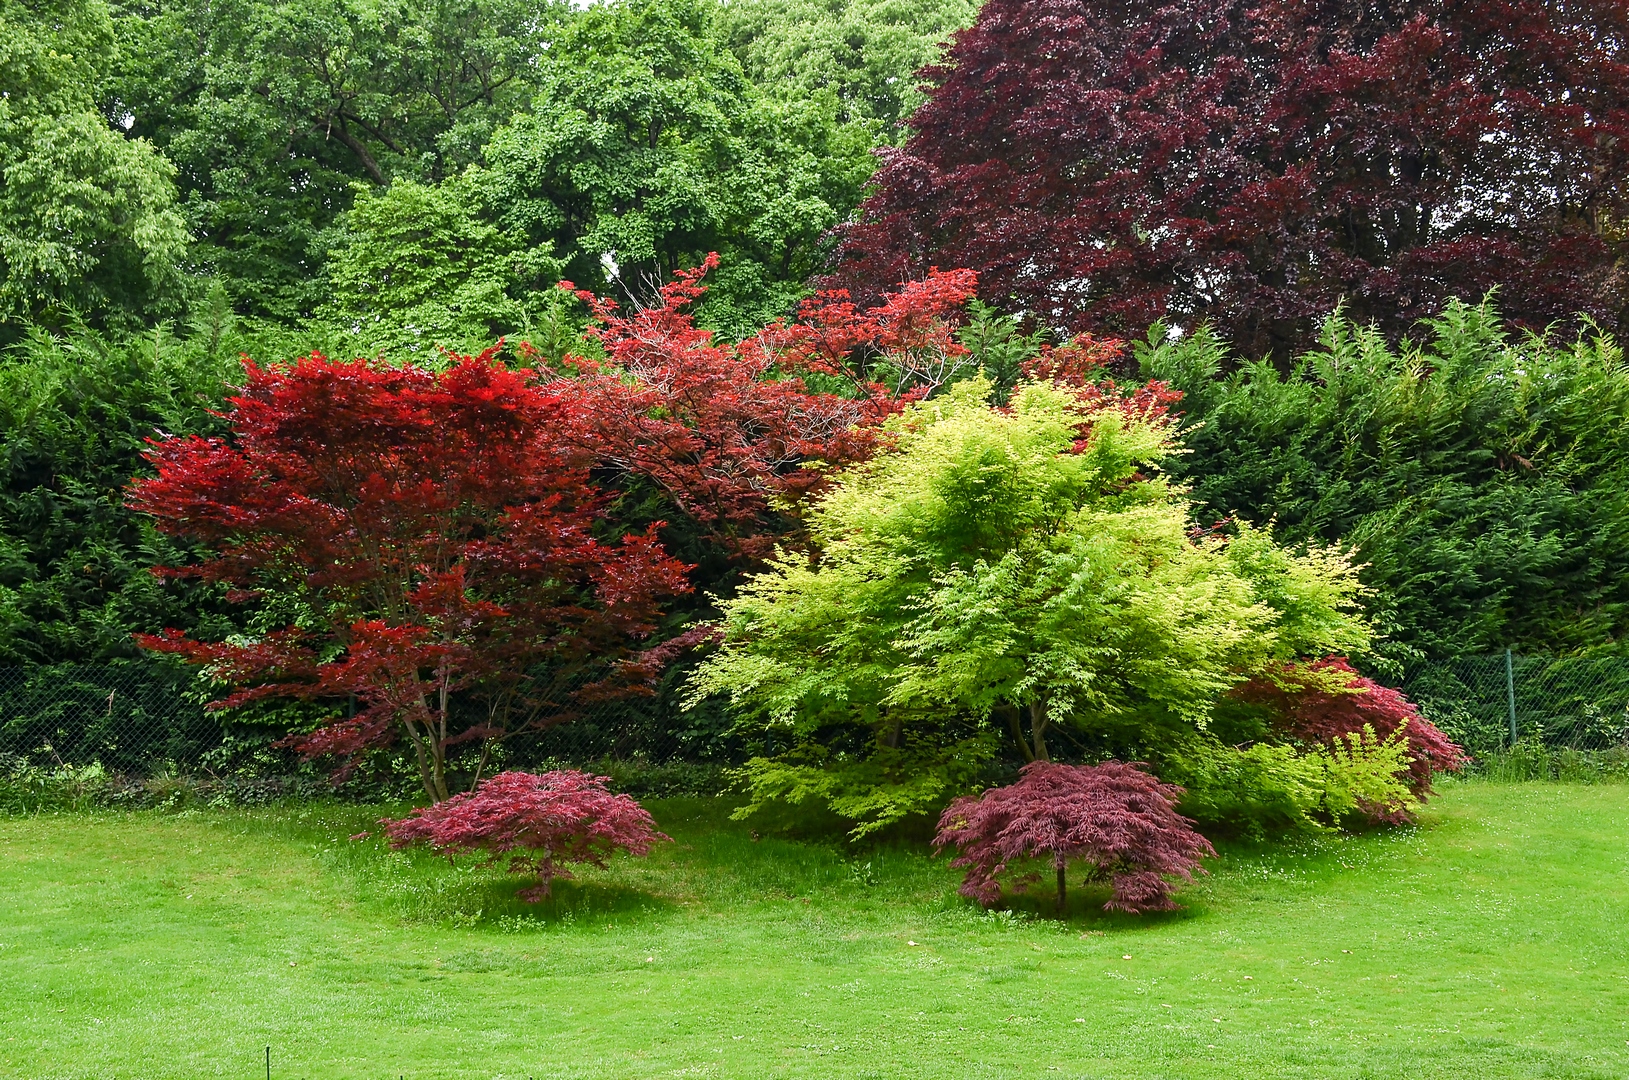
(1115, 817)
(421, 534)
(738, 434)
(1305, 704)
(1106, 163)
(539, 822)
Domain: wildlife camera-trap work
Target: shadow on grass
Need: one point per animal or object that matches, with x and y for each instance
(420, 888)
(721, 863)
(569, 903)
(1085, 912)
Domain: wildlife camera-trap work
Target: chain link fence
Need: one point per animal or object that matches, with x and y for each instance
(128, 716)
(1491, 703)
(141, 716)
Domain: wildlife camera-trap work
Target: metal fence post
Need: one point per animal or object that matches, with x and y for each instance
(1510, 693)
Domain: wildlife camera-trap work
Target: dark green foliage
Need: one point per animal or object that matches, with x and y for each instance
(272, 111)
(999, 347)
(74, 411)
(1482, 474)
(127, 715)
(1570, 702)
(632, 129)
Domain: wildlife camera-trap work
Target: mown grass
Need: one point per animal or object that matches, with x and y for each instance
(1486, 943)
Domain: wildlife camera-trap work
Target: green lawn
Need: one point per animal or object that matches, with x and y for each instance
(1490, 942)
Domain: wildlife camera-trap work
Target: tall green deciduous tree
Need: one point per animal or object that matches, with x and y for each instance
(88, 222)
(273, 111)
(865, 53)
(1027, 575)
(646, 147)
(422, 267)
(1481, 475)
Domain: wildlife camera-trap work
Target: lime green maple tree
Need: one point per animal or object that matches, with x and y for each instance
(1023, 573)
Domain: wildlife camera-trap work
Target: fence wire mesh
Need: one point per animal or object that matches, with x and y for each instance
(138, 716)
(1489, 703)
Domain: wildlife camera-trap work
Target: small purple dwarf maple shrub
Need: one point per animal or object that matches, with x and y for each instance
(1114, 816)
(538, 821)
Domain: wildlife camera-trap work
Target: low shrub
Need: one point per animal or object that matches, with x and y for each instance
(1530, 760)
(538, 821)
(30, 788)
(1115, 817)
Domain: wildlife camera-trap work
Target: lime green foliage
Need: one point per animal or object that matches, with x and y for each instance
(1486, 944)
(88, 221)
(1273, 785)
(1481, 474)
(1363, 769)
(877, 789)
(982, 575)
(863, 53)
(420, 269)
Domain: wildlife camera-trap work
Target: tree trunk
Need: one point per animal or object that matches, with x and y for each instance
(1063, 889)
(1037, 727)
(1018, 731)
(426, 771)
(431, 746)
(356, 146)
(443, 696)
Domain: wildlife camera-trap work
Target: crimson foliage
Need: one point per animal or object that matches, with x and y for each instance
(1115, 816)
(1106, 163)
(1303, 706)
(736, 433)
(417, 534)
(538, 821)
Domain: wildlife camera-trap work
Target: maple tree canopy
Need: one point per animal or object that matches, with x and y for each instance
(425, 533)
(1103, 163)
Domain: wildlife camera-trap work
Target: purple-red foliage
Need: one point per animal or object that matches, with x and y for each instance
(538, 821)
(1306, 710)
(1115, 816)
(1104, 163)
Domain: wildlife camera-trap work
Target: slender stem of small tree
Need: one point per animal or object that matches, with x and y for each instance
(443, 693)
(425, 775)
(1063, 888)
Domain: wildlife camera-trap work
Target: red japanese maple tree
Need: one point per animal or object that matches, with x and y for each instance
(738, 433)
(422, 534)
(538, 821)
(1116, 817)
(1304, 705)
(1106, 163)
